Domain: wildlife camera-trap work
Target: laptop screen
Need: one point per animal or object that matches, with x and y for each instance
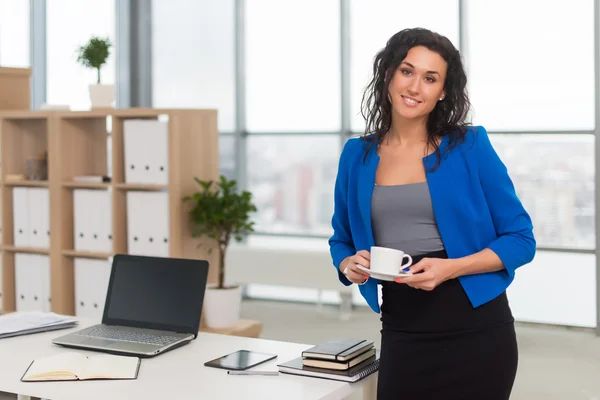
(156, 293)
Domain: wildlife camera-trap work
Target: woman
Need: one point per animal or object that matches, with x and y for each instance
(422, 181)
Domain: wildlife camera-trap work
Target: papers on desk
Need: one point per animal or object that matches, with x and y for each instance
(24, 323)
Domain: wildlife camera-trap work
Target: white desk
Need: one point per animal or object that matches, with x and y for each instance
(177, 374)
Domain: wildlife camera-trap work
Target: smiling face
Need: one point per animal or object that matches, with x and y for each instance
(418, 84)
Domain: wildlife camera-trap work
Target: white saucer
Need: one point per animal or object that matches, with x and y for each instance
(382, 275)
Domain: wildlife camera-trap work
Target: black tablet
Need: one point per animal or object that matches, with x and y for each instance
(240, 360)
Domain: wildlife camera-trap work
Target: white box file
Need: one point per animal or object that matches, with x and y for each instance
(31, 217)
(1, 287)
(92, 220)
(21, 216)
(148, 223)
(146, 151)
(43, 265)
(32, 282)
(39, 217)
(91, 285)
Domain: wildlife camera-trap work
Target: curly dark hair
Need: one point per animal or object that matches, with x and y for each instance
(447, 118)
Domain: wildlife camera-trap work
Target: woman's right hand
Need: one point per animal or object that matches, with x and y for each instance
(349, 267)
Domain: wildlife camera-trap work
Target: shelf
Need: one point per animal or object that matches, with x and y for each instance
(25, 114)
(86, 254)
(86, 185)
(140, 186)
(26, 183)
(32, 250)
(75, 144)
(85, 114)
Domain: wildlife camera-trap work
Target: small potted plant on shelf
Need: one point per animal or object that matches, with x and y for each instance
(94, 55)
(220, 212)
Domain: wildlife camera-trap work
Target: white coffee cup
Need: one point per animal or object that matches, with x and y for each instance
(388, 261)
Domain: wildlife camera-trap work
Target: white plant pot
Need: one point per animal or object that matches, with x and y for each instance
(102, 96)
(222, 307)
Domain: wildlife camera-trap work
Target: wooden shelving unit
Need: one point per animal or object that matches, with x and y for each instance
(76, 144)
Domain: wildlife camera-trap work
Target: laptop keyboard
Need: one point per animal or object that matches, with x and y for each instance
(106, 332)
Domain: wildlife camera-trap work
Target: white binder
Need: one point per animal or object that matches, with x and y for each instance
(21, 217)
(1, 224)
(1, 287)
(80, 288)
(82, 220)
(94, 220)
(91, 285)
(38, 209)
(156, 228)
(146, 151)
(78, 219)
(133, 138)
(157, 154)
(148, 223)
(102, 220)
(160, 227)
(135, 222)
(29, 284)
(42, 263)
(22, 284)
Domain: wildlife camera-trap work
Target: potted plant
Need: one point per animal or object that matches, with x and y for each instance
(220, 212)
(94, 55)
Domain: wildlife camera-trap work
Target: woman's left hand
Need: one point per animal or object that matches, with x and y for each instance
(428, 273)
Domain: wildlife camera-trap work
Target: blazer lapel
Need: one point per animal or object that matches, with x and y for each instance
(366, 183)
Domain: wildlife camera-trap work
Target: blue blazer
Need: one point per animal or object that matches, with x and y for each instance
(474, 203)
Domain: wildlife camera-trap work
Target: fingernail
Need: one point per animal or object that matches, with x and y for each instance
(406, 269)
(398, 280)
(366, 276)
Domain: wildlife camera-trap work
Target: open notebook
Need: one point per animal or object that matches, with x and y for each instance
(77, 366)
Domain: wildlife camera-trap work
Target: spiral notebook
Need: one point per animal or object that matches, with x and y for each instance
(353, 374)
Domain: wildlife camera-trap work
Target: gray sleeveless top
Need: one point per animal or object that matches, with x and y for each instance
(402, 218)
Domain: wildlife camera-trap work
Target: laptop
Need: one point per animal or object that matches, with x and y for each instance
(153, 305)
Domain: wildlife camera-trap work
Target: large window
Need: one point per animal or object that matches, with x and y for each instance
(193, 56)
(373, 22)
(554, 178)
(293, 65)
(531, 64)
(291, 178)
(70, 24)
(227, 156)
(14, 33)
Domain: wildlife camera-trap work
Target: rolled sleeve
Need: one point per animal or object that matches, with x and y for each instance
(341, 244)
(515, 244)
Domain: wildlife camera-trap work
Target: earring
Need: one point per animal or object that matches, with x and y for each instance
(441, 98)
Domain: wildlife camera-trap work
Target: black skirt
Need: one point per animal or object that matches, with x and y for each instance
(436, 345)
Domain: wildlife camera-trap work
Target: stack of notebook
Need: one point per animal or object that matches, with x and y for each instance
(342, 359)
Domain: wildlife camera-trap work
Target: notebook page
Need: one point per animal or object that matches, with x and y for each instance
(110, 366)
(66, 362)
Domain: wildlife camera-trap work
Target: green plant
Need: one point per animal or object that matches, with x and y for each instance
(95, 53)
(220, 213)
